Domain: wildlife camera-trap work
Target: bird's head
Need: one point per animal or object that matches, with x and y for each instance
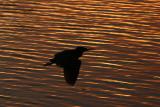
(82, 49)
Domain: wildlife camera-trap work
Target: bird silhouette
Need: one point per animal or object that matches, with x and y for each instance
(69, 61)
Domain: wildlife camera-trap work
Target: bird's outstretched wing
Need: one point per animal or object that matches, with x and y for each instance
(71, 71)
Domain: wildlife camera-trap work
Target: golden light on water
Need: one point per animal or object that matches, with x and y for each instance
(122, 71)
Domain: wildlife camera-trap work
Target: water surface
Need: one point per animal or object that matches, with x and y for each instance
(122, 72)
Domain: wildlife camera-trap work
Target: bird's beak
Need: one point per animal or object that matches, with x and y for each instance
(91, 48)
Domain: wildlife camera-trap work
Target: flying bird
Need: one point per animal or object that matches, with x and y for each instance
(69, 61)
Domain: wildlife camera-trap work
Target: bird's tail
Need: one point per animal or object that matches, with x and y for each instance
(51, 61)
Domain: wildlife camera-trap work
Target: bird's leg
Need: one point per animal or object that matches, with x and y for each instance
(51, 61)
(48, 63)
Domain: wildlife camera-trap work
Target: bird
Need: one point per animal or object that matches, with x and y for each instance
(70, 62)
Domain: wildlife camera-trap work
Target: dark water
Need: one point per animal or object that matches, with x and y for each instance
(122, 72)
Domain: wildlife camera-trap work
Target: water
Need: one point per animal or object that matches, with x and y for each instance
(122, 72)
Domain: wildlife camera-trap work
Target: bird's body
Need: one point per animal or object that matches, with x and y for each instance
(69, 61)
(65, 57)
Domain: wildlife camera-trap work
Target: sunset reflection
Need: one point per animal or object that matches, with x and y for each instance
(123, 70)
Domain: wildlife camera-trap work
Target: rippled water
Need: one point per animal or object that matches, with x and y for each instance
(122, 72)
